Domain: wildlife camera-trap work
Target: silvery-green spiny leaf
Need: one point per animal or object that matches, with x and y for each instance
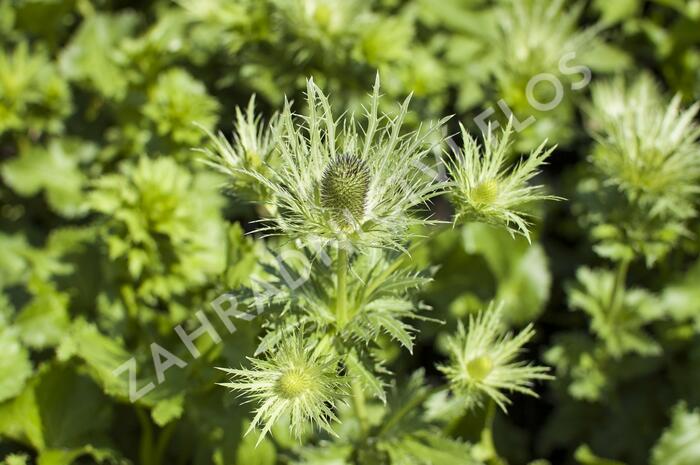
(253, 149)
(370, 382)
(405, 436)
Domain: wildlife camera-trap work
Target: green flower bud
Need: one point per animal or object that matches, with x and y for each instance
(344, 188)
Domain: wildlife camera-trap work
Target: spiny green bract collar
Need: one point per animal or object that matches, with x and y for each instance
(648, 145)
(336, 184)
(486, 189)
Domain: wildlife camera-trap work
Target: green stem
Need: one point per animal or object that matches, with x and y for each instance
(358, 403)
(85, 8)
(163, 441)
(341, 312)
(487, 435)
(341, 291)
(146, 444)
(451, 427)
(618, 284)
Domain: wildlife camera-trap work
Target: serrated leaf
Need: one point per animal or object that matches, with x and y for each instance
(370, 382)
(394, 327)
(15, 459)
(93, 54)
(54, 169)
(429, 448)
(101, 354)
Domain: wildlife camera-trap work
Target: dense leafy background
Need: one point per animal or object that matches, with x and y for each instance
(114, 232)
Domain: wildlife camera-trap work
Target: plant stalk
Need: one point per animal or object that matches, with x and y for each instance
(487, 435)
(618, 284)
(162, 443)
(358, 395)
(358, 403)
(146, 444)
(341, 297)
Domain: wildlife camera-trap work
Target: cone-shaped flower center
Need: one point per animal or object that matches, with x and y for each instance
(293, 383)
(485, 192)
(479, 367)
(344, 187)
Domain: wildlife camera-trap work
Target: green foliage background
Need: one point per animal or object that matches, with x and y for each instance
(114, 232)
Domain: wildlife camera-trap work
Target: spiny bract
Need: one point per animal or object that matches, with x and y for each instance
(252, 150)
(341, 183)
(483, 361)
(298, 380)
(534, 35)
(647, 146)
(486, 190)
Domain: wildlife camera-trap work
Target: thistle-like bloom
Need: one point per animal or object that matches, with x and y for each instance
(331, 24)
(647, 147)
(337, 183)
(296, 381)
(486, 190)
(252, 151)
(534, 35)
(483, 361)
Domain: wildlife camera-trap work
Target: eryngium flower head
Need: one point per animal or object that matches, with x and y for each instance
(483, 361)
(486, 190)
(296, 381)
(534, 35)
(338, 183)
(647, 146)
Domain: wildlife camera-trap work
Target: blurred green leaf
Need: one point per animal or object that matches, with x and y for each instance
(680, 442)
(15, 366)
